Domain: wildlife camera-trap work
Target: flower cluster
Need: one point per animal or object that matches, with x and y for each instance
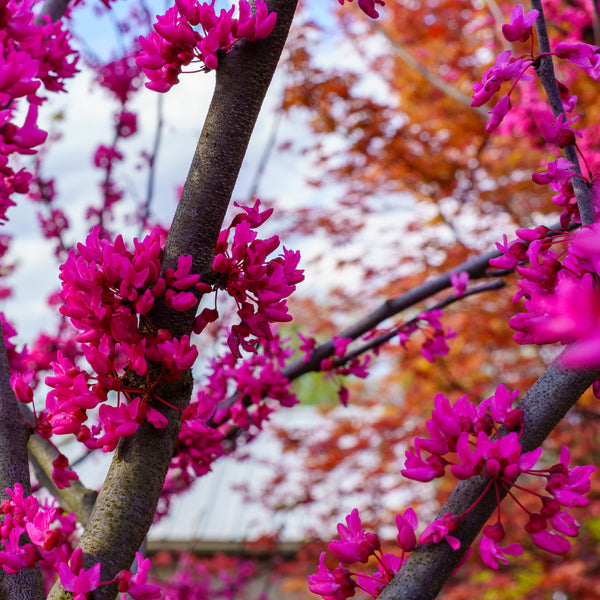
(339, 364)
(49, 542)
(219, 577)
(106, 290)
(436, 335)
(258, 285)
(467, 439)
(35, 54)
(510, 68)
(175, 43)
(238, 395)
(559, 288)
(358, 545)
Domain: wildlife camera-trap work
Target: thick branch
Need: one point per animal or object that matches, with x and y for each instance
(127, 501)
(546, 403)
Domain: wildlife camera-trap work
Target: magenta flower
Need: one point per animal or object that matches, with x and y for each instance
(440, 529)
(498, 113)
(135, 585)
(356, 544)
(491, 552)
(512, 254)
(568, 485)
(505, 68)
(459, 281)
(76, 579)
(559, 132)
(520, 24)
(407, 524)
(582, 55)
(331, 585)
(551, 542)
(175, 43)
(423, 470)
(368, 7)
(559, 171)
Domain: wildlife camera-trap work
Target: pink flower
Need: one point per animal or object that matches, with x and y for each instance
(512, 253)
(356, 544)
(559, 132)
(583, 55)
(334, 585)
(505, 68)
(440, 529)
(498, 113)
(135, 585)
(423, 470)
(459, 281)
(551, 542)
(520, 24)
(559, 171)
(76, 579)
(368, 7)
(491, 552)
(568, 485)
(407, 524)
(29, 135)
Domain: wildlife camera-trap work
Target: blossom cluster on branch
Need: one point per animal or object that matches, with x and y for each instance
(472, 440)
(175, 43)
(49, 540)
(35, 55)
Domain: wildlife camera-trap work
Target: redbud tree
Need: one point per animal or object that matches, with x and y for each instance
(116, 374)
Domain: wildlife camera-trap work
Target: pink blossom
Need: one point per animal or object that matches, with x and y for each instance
(175, 43)
(368, 7)
(459, 281)
(583, 55)
(423, 470)
(76, 579)
(559, 171)
(135, 585)
(491, 552)
(551, 542)
(568, 485)
(520, 25)
(559, 132)
(440, 529)
(356, 544)
(331, 585)
(505, 68)
(498, 113)
(512, 254)
(407, 524)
